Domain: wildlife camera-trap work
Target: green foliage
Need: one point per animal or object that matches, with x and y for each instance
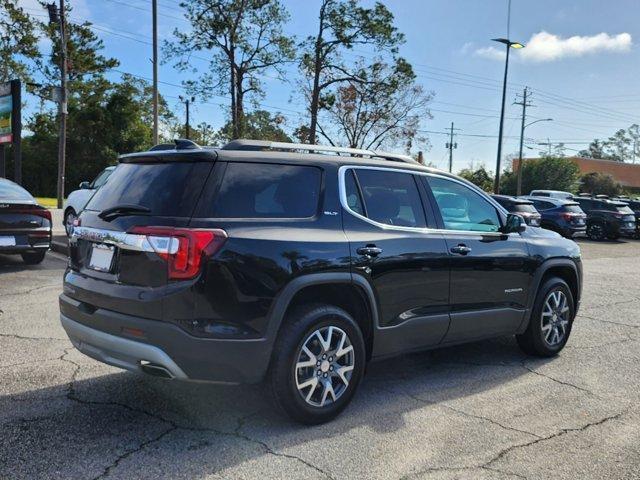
(109, 121)
(343, 25)
(243, 39)
(258, 125)
(622, 146)
(548, 173)
(597, 183)
(18, 42)
(479, 177)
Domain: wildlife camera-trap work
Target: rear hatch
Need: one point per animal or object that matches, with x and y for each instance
(132, 247)
(574, 215)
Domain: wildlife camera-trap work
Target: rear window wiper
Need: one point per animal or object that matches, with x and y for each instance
(124, 209)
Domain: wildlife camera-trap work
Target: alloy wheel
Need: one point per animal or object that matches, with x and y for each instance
(555, 318)
(596, 231)
(324, 366)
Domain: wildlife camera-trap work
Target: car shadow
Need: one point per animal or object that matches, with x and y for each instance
(14, 263)
(98, 418)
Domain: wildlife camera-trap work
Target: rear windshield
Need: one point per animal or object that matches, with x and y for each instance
(258, 190)
(11, 191)
(573, 209)
(166, 189)
(523, 208)
(622, 209)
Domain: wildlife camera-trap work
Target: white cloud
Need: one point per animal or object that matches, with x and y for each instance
(492, 53)
(547, 47)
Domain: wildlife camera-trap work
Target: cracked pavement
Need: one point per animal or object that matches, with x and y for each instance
(479, 411)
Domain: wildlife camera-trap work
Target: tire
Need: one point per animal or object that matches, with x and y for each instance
(536, 338)
(314, 404)
(33, 258)
(69, 216)
(596, 231)
(613, 236)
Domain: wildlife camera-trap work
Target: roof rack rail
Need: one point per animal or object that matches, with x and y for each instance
(257, 145)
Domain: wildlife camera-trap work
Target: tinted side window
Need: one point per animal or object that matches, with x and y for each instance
(391, 198)
(101, 178)
(353, 194)
(462, 208)
(257, 190)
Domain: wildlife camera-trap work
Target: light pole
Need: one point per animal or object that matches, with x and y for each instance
(510, 45)
(187, 101)
(519, 187)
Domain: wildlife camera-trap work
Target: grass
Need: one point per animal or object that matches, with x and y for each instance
(47, 202)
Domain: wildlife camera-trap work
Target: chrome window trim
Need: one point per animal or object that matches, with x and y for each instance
(343, 201)
(123, 240)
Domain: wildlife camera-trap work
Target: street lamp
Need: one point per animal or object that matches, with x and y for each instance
(519, 187)
(510, 45)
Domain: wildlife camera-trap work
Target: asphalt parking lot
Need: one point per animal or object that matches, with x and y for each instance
(480, 411)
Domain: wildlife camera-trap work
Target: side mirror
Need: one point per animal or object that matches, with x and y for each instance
(85, 185)
(515, 224)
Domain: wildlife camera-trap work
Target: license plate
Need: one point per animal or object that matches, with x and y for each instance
(7, 241)
(580, 221)
(101, 257)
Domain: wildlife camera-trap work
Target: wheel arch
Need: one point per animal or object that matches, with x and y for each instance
(351, 293)
(565, 269)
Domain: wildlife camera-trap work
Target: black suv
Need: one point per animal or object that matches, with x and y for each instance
(520, 206)
(607, 218)
(264, 260)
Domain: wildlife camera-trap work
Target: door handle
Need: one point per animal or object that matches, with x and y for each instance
(460, 249)
(369, 251)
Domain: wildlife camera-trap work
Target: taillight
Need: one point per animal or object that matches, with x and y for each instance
(182, 248)
(38, 212)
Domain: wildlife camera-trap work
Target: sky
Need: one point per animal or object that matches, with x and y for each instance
(581, 62)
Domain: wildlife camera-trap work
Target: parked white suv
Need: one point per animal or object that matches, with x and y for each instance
(77, 199)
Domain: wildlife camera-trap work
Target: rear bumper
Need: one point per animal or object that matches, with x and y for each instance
(129, 342)
(570, 231)
(27, 240)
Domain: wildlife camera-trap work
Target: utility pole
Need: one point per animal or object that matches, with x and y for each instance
(187, 101)
(451, 145)
(56, 16)
(154, 14)
(525, 104)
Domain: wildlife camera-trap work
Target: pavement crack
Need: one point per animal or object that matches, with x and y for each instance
(22, 337)
(559, 433)
(463, 412)
(173, 426)
(621, 324)
(133, 451)
(553, 379)
(30, 290)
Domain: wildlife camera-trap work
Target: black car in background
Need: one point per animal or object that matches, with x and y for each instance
(258, 261)
(520, 206)
(634, 204)
(560, 215)
(608, 218)
(25, 226)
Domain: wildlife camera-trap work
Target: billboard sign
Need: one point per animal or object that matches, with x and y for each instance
(6, 110)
